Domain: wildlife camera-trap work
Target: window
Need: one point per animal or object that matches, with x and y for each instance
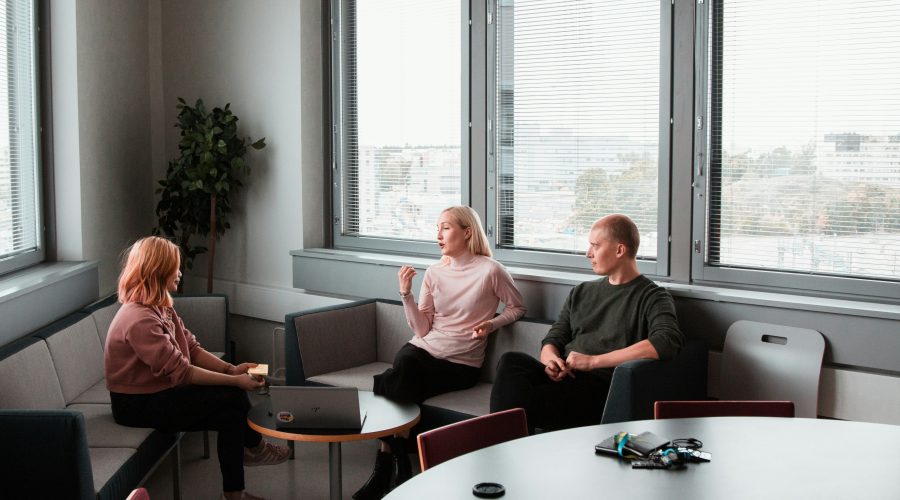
(577, 107)
(803, 143)
(399, 74)
(755, 143)
(20, 217)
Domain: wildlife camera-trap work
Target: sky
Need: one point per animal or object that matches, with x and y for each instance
(794, 70)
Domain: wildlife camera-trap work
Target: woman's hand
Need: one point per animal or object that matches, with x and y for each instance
(241, 368)
(405, 276)
(482, 329)
(248, 382)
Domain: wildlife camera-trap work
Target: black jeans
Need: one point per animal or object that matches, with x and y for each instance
(196, 408)
(571, 402)
(417, 376)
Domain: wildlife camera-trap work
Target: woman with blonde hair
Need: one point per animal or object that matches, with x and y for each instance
(159, 376)
(451, 322)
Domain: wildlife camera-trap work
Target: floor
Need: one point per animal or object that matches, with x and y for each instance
(304, 477)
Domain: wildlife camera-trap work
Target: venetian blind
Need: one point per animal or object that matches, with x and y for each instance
(19, 187)
(804, 137)
(577, 120)
(402, 116)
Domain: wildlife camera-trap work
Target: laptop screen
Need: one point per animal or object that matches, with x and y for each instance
(322, 409)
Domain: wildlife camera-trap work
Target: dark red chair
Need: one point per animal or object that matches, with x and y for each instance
(450, 441)
(722, 408)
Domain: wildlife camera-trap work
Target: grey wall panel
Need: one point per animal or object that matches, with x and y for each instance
(866, 342)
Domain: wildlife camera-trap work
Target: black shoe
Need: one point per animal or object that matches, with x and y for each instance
(402, 466)
(379, 483)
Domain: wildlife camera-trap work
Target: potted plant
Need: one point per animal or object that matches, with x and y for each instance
(195, 196)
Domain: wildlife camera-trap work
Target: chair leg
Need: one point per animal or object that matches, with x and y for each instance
(176, 471)
(205, 444)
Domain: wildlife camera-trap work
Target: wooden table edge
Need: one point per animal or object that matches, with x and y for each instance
(332, 438)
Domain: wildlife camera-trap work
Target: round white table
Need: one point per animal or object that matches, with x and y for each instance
(758, 458)
(383, 418)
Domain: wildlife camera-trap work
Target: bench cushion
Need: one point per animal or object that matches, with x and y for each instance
(77, 356)
(103, 318)
(104, 432)
(391, 329)
(96, 394)
(28, 379)
(359, 376)
(353, 329)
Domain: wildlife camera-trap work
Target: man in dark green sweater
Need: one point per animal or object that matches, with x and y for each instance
(603, 323)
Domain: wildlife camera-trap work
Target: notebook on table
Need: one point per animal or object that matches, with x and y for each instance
(316, 410)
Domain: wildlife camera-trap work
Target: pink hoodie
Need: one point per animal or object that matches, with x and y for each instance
(148, 350)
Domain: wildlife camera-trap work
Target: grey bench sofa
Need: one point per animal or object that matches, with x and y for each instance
(56, 427)
(345, 345)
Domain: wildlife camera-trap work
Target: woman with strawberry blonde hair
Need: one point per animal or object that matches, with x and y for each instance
(159, 376)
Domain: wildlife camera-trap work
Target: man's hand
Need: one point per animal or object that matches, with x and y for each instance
(554, 366)
(557, 370)
(580, 362)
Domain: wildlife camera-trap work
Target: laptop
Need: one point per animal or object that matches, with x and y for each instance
(316, 410)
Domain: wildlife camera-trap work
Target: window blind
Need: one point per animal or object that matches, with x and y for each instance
(402, 116)
(804, 137)
(577, 120)
(19, 186)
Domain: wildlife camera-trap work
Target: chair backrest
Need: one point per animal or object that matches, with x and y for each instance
(721, 408)
(450, 441)
(139, 494)
(761, 361)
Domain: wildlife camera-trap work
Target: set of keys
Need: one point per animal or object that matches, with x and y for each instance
(672, 458)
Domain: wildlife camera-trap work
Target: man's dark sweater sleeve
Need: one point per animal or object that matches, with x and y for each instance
(560, 333)
(664, 332)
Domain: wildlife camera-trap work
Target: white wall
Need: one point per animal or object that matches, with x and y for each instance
(118, 69)
(262, 57)
(100, 85)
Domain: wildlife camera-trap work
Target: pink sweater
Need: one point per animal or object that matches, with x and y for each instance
(148, 350)
(454, 299)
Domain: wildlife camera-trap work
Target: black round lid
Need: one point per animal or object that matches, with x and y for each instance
(488, 490)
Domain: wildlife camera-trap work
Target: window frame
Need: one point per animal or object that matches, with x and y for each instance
(705, 169)
(683, 176)
(576, 260)
(342, 69)
(32, 257)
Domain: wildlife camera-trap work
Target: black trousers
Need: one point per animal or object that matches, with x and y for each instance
(196, 408)
(571, 402)
(417, 376)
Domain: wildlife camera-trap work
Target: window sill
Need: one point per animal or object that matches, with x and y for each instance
(699, 292)
(41, 294)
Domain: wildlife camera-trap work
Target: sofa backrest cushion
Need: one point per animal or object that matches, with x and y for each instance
(103, 318)
(205, 317)
(78, 357)
(351, 328)
(524, 335)
(393, 330)
(27, 377)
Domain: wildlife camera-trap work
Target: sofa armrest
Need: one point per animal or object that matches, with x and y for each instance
(328, 339)
(46, 455)
(636, 385)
